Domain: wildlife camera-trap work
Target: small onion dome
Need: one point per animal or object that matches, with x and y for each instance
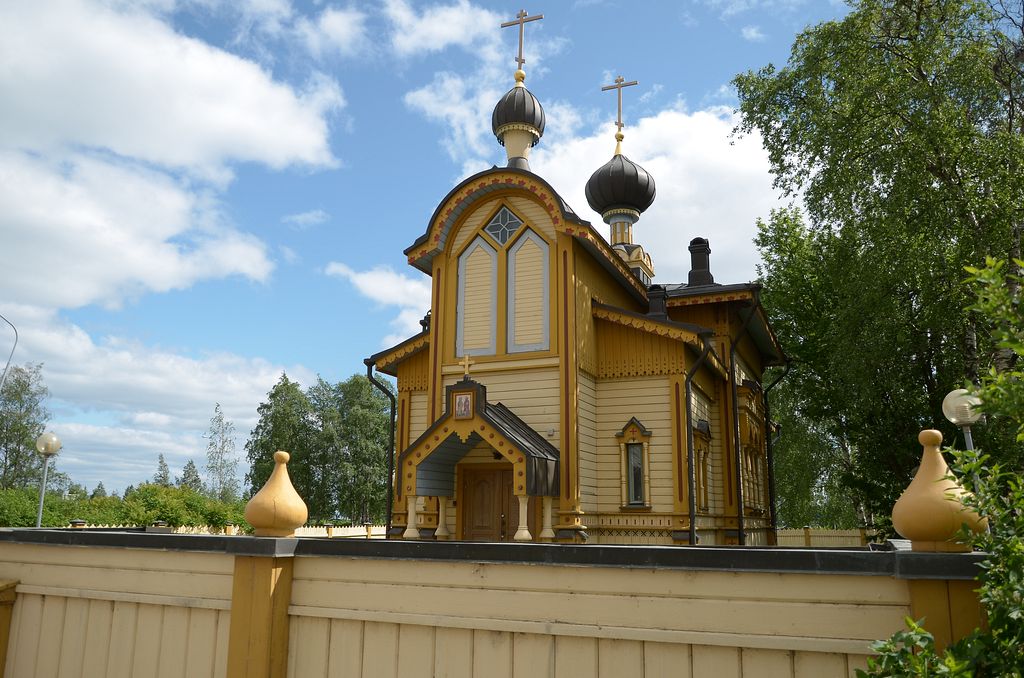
(620, 185)
(518, 109)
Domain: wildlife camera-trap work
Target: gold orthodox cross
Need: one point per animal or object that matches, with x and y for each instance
(619, 84)
(466, 362)
(520, 21)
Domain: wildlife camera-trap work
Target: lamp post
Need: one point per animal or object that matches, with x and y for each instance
(961, 409)
(48, 445)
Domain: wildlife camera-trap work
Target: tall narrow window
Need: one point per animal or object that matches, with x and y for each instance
(476, 311)
(528, 294)
(634, 446)
(635, 473)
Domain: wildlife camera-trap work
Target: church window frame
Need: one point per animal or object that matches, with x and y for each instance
(512, 346)
(635, 460)
(503, 226)
(702, 459)
(478, 242)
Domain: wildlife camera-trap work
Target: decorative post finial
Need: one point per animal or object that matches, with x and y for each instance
(620, 83)
(466, 362)
(277, 509)
(931, 510)
(521, 21)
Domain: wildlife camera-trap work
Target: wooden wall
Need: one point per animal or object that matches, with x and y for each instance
(94, 612)
(399, 618)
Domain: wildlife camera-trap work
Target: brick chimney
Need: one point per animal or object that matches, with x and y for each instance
(700, 265)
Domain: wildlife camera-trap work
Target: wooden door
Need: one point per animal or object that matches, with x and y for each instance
(490, 509)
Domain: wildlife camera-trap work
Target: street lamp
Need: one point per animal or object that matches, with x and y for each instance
(48, 445)
(961, 409)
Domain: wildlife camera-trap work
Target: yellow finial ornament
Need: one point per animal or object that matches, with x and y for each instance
(931, 510)
(277, 509)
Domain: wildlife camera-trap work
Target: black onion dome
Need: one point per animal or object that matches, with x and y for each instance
(518, 107)
(620, 184)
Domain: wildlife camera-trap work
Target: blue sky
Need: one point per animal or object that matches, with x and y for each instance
(196, 195)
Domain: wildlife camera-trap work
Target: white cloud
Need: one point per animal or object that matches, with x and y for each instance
(382, 284)
(436, 28)
(708, 184)
(163, 98)
(304, 220)
(88, 231)
(156, 400)
(752, 34)
(339, 31)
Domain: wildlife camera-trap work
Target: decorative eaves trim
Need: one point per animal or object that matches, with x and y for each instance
(656, 327)
(388, 357)
(711, 298)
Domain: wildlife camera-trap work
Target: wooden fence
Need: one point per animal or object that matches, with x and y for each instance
(360, 531)
(821, 538)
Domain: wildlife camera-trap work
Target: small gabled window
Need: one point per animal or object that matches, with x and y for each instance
(634, 447)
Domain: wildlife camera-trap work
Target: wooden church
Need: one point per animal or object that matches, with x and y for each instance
(556, 394)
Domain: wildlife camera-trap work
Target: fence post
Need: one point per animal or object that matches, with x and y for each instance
(807, 535)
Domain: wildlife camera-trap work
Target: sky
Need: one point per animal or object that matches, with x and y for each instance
(198, 195)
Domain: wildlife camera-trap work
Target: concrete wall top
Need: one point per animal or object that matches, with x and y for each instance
(896, 563)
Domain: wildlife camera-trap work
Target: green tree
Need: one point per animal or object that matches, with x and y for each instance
(284, 424)
(997, 493)
(337, 436)
(163, 473)
(900, 128)
(99, 492)
(190, 479)
(221, 462)
(365, 420)
(23, 417)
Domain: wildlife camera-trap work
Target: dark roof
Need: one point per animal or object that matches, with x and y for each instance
(518, 106)
(661, 320)
(620, 184)
(675, 290)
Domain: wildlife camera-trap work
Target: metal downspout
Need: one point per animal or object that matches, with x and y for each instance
(690, 479)
(741, 536)
(769, 444)
(391, 445)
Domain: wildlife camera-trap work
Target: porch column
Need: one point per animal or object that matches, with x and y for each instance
(411, 532)
(546, 533)
(442, 519)
(523, 532)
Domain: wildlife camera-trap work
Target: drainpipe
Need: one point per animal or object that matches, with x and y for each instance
(741, 537)
(690, 478)
(769, 444)
(391, 444)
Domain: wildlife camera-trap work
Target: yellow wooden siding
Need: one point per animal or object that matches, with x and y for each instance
(704, 409)
(87, 612)
(647, 399)
(418, 415)
(593, 282)
(627, 351)
(532, 394)
(530, 265)
(411, 618)
(414, 371)
(587, 432)
(477, 292)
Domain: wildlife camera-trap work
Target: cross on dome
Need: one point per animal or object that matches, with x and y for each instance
(521, 21)
(620, 83)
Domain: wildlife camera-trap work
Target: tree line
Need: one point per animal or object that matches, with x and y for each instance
(336, 433)
(898, 132)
